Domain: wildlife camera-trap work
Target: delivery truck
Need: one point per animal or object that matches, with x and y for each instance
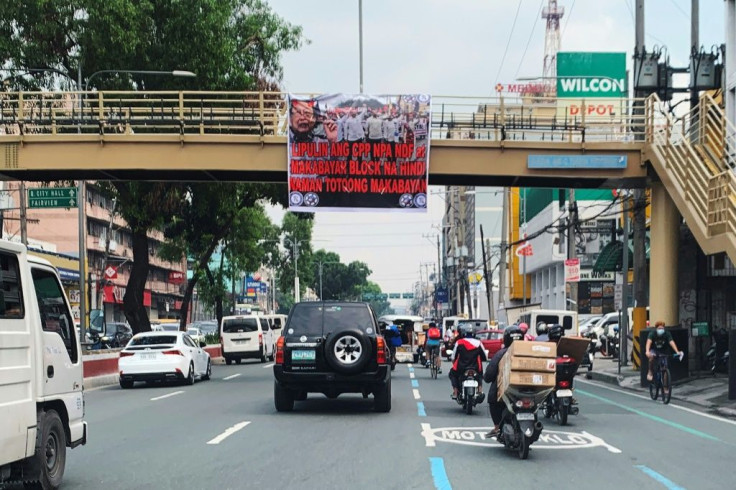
(41, 392)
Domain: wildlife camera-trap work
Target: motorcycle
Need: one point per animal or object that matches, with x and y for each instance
(559, 403)
(610, 343)
(469, 396)
(519, 426)
(589, 355)
(716, 359)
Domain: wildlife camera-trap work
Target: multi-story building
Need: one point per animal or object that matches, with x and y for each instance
(164, 288)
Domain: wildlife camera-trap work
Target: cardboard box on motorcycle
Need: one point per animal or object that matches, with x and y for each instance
(514, 370)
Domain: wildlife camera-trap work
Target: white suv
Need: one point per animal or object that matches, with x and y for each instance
(246, 336)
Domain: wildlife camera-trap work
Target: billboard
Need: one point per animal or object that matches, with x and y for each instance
(584, 75)
(358, 152)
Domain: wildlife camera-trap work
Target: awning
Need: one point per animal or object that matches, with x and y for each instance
(610, 259)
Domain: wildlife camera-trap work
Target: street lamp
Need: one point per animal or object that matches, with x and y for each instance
(173, 73)
(295, 247)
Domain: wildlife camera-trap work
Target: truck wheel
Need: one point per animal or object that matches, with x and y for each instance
(282, 398)
(50, 454)
(382, 398)
(228, 361)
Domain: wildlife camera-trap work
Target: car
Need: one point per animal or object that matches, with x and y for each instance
(196, 334)
(331, 348)
(246, 337)
(163, 356)
(277, 323)
(110, 335)
(207, 327)
(492, 340)
(587, 323)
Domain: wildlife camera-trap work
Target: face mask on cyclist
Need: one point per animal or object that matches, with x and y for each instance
(660, 331)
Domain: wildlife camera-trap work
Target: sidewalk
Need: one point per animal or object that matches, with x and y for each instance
(705, 391)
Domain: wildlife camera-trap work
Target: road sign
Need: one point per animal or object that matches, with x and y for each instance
(572, 270)
(407, 295)
(394, 295)
(524, 249)
(52, 197)
(585, 75)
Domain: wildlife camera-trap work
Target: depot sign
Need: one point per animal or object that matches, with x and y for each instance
(585, 75)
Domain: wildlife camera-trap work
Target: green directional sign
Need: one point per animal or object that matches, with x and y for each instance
(48, 197)
(408, 295)
(585, 75)
(394, 295)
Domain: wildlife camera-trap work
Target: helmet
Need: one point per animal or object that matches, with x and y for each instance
(510, 334)
(466, 331)
(432, 325)
(555, 332)
(541, 328)
(523, 327)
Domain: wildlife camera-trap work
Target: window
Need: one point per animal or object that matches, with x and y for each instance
(264, 325)
(188, 341)
(11, 299)
(153, 340)
(246, 324)
(277, 322)
(53, 310)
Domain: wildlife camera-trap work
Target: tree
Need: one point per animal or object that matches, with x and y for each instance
(229, 44)
(380, 306)
(297, 231)
(339, 281)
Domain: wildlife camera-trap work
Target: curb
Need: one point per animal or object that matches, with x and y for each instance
(100, 381)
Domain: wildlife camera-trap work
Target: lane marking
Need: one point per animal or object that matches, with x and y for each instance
(166, 396)
(420, 409)
(439, 475)
(427, 429)
(660, 478)
(416, 394)
(411, 375)
(644, 397)
(268, 365)
(231, 376)
(232, 430)
(651, 417)
(414, 383)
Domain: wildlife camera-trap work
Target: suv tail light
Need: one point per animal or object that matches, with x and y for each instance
(280, 350)
(173, 352)
(260, 339)
(381, 350)
(126, 354)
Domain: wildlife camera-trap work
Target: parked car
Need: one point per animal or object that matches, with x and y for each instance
(492, 340)
(206, 326)
(246, 337)
(163, 356)
(331, 348)
(196, 334)
(277, 324)
(110, 335)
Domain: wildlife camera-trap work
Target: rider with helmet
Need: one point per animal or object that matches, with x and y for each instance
(496, 406)
(542, 332)
(432, 344)
(525, 330)
(555, 333)
(468, 353)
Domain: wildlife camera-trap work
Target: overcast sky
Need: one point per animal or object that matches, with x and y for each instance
(449, 47)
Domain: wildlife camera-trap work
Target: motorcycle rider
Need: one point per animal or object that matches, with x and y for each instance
(468, 353)
(554, 333)
(525, 330)
(657, 343)
(496, 406)
(393, 338)
(542, 332)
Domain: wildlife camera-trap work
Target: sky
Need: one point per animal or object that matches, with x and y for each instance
(449, 47)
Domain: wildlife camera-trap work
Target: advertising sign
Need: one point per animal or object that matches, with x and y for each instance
(585, 75)
(176, 277)
(358, 152)
(572, 270)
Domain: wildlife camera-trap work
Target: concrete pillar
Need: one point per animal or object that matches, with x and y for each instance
(665, 237)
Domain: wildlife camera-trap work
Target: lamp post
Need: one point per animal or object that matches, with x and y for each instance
(295, 247)
(173, 73)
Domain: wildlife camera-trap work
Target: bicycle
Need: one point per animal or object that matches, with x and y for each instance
(662, 379)
(433, 369)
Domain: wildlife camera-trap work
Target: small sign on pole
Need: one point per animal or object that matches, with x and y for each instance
(572, 270)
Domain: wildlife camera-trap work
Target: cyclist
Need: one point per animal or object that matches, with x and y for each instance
(432, 345)
(657, 343)
(468, 353)
(393, 337)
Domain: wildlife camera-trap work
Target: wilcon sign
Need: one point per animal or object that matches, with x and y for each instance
(584, 75)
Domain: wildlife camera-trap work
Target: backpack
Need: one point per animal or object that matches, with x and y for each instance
(434, 333)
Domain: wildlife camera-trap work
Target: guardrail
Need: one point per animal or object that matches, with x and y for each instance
(264, 114)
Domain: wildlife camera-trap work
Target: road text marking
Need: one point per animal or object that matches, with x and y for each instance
(166, 396)
(231, 376)
(232, 430)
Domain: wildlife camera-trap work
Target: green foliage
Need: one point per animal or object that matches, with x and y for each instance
(339, 281)
(297, 229)
(212, 338)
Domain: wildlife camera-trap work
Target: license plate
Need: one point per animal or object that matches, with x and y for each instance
(303, 355)
(524, 416)
(148, 357)
(470, 383)
(563, 393)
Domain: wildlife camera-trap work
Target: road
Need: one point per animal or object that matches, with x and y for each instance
(225, 433)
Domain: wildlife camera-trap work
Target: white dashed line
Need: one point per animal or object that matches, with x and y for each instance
(232, 430)
(231, 376)
(166, 396)
(416, 394)
(411, 375)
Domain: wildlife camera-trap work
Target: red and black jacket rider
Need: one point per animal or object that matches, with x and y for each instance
(467, 354)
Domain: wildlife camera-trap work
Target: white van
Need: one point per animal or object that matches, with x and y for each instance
(277, 324)
(41, 395)
(246, 337)
(568, 320)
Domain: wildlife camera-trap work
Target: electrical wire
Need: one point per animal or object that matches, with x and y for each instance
(569, 14)
(677, 6)
(529, 41)
(508, 43)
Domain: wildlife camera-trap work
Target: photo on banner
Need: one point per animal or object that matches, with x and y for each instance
(358, 152)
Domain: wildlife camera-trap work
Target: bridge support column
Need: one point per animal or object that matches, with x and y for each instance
(665, 237)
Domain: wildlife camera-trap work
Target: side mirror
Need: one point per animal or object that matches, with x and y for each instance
(202, 343)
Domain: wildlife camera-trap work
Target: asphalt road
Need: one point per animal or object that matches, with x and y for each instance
(226, 433)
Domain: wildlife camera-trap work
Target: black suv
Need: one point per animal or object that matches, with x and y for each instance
(331, 348)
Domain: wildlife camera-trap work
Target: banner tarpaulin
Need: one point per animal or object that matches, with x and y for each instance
(358, 152)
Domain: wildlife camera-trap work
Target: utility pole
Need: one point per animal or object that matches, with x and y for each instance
(640, 259)
(624, 343)
(489, 282)
(81, 201)
(572, 223)
(504, 248)
(360, 40)
(23, 219)
(695, 43)
(101, 305)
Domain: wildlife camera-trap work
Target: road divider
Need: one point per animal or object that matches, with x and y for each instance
(232, 430)
(166, 396)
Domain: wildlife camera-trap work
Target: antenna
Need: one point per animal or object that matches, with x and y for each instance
(552, 14)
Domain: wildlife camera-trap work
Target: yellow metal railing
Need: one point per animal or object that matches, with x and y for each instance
(264, 113)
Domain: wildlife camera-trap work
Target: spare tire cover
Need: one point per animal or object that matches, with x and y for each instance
(348, 351)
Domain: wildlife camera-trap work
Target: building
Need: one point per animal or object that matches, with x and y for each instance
(730, 61)
(59, 226)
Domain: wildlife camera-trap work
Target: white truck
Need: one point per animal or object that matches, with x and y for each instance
(41, 393)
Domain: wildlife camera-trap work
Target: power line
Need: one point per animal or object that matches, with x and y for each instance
(508, 43)
(677, 6)
(531, 34)
(569, 14)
